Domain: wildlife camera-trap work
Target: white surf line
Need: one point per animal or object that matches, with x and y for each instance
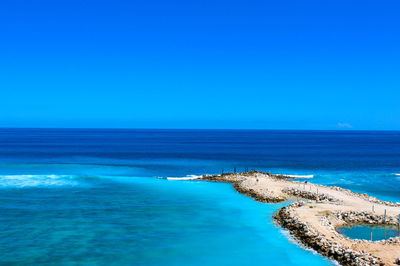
(300, 176)
(194, 177)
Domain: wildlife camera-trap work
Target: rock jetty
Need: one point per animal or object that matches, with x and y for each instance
(318, 210)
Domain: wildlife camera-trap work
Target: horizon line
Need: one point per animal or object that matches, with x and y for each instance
(215, 129)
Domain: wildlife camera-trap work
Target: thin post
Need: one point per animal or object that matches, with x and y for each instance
(384, 219)
(371, 235)
(398, 226)
(373, 208)
(234, 169)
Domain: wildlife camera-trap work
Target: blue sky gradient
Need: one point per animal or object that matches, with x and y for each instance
(200, 64)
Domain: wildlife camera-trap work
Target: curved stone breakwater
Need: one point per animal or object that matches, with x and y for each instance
(238, 181)
(311, 238)
(365, 217)
(367, 197)
(318, 210)
(309, 195)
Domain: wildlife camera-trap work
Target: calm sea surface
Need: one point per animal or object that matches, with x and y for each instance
(100, 197)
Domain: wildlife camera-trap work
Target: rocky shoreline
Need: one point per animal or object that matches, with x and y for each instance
(318, 210)
(320, 197)
(236, 180)
(311, 238)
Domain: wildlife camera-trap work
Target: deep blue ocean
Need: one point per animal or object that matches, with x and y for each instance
(100, 197)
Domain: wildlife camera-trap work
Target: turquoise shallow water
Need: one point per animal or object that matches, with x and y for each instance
(369, 232)
(139, 220)
(95, 197)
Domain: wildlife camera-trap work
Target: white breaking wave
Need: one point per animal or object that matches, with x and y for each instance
(21, 181)
(301, 176)
(397, 174)
(188, 177)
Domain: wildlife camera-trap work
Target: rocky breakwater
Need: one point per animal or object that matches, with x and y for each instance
(354, 217)
(314, 222)
(321, 197)
(366, 197)
(306, 234)
(242, 185)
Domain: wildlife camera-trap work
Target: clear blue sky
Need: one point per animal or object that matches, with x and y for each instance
(200, 64)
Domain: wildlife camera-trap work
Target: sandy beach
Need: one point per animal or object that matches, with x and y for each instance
(318, 210)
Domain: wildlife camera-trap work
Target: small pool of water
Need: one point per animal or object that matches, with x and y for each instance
(361, 231)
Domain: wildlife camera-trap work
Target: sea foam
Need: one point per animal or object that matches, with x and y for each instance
(301, 176)
(188, 177)
(21, 181)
